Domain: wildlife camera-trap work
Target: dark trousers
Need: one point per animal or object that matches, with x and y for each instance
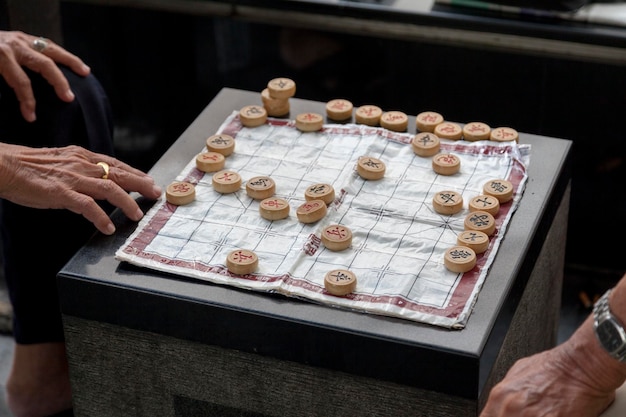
(38, 242)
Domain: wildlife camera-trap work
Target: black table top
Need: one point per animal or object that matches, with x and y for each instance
(95, 286)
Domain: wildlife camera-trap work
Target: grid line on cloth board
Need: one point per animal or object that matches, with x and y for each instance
(398, 238)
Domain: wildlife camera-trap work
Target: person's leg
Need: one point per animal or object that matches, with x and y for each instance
(39, 383)
(37, 243)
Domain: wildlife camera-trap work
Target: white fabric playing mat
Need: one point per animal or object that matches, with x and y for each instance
(398, 239)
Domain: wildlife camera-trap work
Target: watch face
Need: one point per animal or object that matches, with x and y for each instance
(609, 335)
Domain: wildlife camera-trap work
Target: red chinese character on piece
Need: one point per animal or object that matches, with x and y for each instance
(474, 127)
(448, 129)
(310, 116)
(273, 203)
(211, 156)
(181, 187)
(340, 105)
(368, 110)
(448, 159)
(393, 117)
(311, 206)
(336, 231)
(227, 176)
(241, 256)
(429, 117)
(503, 133)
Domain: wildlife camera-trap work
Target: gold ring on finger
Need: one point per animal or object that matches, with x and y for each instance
(105, 168)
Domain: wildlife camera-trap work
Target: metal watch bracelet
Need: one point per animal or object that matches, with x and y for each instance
(602, 313)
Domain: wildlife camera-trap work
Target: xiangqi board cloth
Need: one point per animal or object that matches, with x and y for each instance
(398, 245)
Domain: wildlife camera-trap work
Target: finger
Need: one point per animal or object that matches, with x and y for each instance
(83, 202)
(18, 54)
(61, 56)
(90, 210)
(82, 197)
(49, 70)
(19, 81)
(110, 191)
(43, 56)
(113, 162)
(126, 176)
(134, 180)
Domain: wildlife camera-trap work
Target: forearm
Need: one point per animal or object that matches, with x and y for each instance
(8, 167)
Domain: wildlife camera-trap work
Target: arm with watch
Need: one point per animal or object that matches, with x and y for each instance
(576, 378)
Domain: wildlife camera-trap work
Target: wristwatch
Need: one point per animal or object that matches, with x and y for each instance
(609, 329)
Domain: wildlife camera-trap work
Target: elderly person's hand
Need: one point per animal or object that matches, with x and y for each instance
(18, 50)
(576, 378)
(547, 384)
(70, 178)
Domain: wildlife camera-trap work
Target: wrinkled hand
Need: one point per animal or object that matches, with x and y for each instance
(16, 52)
(68, 178)
(573, 379)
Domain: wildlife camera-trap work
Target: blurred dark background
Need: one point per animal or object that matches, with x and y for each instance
(161, 69)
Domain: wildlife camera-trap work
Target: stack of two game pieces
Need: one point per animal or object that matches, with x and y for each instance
(276, 96)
